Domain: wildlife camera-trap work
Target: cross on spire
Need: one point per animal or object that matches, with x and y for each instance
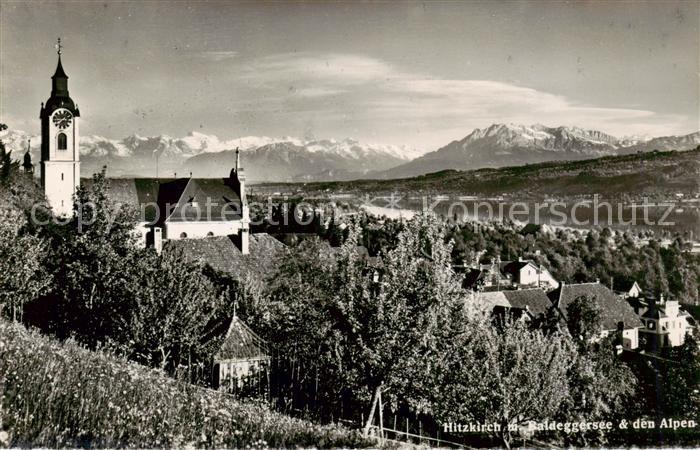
(59, 46)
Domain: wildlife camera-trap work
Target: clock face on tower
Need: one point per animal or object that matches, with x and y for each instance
(62, 119)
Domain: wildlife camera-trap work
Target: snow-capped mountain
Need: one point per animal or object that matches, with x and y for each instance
(295, 161)
(264, 158)
(511, 145)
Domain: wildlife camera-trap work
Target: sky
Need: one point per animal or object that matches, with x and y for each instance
(408, 73)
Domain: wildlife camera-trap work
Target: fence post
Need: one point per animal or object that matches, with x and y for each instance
(381, 416)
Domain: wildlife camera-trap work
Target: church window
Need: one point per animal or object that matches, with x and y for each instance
(62, 141)
(61, 176)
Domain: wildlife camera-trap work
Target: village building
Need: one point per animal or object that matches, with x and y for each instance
(170, 209)
(523, 304)
(627, 288)
(507, 275)
(242, 359)
(526, 273)
(618, 317)
(665, 324)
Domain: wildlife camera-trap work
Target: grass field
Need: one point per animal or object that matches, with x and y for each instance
(61, 395)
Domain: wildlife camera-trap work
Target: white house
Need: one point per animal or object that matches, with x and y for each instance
(526, 273)
(665, 324)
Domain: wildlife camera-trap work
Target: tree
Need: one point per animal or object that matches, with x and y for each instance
(93, 260)
(507, 376)
(6, 164)
(22, 258)
(348, 338)
(175, 308)
(583, 319)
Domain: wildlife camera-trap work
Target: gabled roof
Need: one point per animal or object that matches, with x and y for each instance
(513, 266)
(624, 285)
(614, 309)
(215, 199)
(222, 253)
(241, 343)
(534, 300)
(158, 199)
(655, 313)
(490, 300)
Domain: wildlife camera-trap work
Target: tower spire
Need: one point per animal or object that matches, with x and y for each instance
(59, 47)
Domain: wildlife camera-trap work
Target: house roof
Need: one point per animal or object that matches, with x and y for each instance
(614, 309)
(471, 277)
(222, 254)
(623, 285)
(241, 343)
(655, 312)
(513, 267)
(534, 300)
(490, 300)
(158, 199)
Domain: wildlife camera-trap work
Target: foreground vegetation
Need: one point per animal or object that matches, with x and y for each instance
(61, 395)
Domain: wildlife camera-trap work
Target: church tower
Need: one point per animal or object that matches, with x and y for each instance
(60, 138)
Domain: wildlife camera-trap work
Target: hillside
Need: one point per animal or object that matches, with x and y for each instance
(653, 173)
(61, 395)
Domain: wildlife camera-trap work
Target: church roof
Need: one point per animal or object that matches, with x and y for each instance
(60, 73)
(161, 199)
(207, 199)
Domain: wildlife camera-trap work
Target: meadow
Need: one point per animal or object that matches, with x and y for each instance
(61, 395)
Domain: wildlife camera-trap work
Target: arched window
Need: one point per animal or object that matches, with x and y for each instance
(183, 235)
(211, 233)
(62, 141)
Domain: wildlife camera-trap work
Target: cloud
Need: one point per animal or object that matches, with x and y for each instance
(218, 55)
(341, 92)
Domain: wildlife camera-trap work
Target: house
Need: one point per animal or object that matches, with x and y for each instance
(618, 317)
(243, 358)
(665, 324)
(526, 273)
(524, 304)
(534, 302)
(627, 288)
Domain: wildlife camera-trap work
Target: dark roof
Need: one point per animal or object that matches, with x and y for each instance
(614, 308)
(622, 284)
(222, 254)
(471, 277)
(60, 73)
(655, 313)
(215, 199)
(513, 267)
(534, 300)
(241, 343)
(158, 199)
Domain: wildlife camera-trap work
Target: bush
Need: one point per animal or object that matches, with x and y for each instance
(61, 395)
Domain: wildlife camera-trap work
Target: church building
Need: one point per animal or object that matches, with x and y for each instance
(169, 208)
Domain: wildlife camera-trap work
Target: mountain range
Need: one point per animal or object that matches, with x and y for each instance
(502, 145)
(293, 160)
